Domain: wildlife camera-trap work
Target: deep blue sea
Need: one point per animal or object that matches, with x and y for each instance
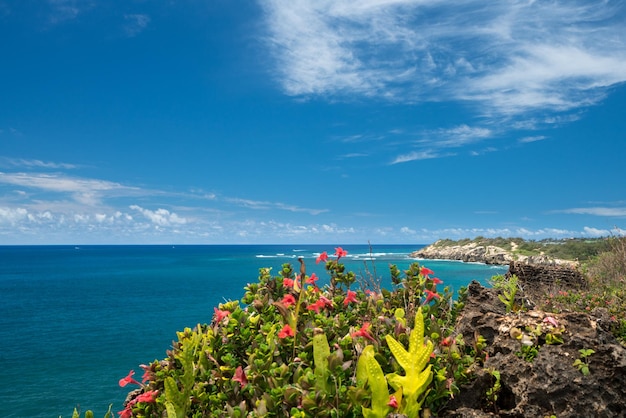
(74, 320)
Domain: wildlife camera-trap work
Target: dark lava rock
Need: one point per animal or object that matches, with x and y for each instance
(549, 385)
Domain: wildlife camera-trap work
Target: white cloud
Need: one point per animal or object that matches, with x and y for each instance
(12, 215)
(511, 56)
(161, 217)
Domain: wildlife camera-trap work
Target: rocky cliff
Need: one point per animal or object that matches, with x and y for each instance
(488, 254)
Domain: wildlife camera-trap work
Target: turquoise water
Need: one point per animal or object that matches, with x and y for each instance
(74, 320)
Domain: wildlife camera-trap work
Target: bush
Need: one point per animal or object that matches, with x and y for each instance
(290, 348)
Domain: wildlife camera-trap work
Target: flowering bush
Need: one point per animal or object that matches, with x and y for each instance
(291, 348)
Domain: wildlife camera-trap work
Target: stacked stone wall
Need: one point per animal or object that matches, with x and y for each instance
(547, 275)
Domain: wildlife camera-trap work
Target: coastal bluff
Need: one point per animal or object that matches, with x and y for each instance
(487, 254)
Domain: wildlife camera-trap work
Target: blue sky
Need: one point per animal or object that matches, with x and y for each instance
(292, 121)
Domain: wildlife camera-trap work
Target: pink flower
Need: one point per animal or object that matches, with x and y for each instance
(149, 396)
(316, 306)
(289, 300)
(364, 332)
(425, 271)
(340, 252)
(322, 257)
(312, 279)
(288, 282)
(393, 402)
(129, 379)
(550, 320)
(240, 376)
(431, 295)
(350, 297)
(287, 331)
(220, 314)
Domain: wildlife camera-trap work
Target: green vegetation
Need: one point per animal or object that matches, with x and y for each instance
(606, 288)
(350, 349)
(566, 249)
(291, 348)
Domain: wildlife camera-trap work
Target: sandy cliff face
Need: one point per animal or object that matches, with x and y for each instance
(487, 254)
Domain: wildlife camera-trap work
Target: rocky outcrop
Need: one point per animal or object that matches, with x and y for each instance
(488, 254)
(472, 252)
(550, 384)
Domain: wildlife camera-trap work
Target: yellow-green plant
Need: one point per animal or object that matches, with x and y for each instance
(89, 413)
(417, 375)
(370, 374)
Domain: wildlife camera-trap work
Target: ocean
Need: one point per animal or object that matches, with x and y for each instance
(76, 319)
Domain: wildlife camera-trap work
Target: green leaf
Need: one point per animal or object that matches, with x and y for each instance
(369, 367)
(321, 353)
(108, 413)
(171, 410)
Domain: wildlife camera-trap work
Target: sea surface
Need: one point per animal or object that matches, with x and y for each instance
(74, 320)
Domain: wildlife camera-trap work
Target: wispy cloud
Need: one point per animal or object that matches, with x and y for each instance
(266, 205)
(597, 211)
(63, 10)
(510, 57)
(528, 139)
(431, 143)
(24, 163)
(415, 156)
(135, 24)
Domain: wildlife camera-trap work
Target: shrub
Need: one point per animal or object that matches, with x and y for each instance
(290, 348)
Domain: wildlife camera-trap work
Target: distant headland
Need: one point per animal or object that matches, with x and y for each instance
(503, 251)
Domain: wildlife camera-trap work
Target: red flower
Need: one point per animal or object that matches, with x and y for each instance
(240, 376)
(393, 402)
(289, 300)
(425, 271)
(322, 257)
(288, 282)
(364, 332)
(340, 252)
(436, 280)
(220, 314)
(129, 379)
(316, 306)
(351, 297)
(126, 413)
(312, 279)
(327, 302)
(431, 295)
(147, 372)
(287, 331)
(149, 396)
(447, 342)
